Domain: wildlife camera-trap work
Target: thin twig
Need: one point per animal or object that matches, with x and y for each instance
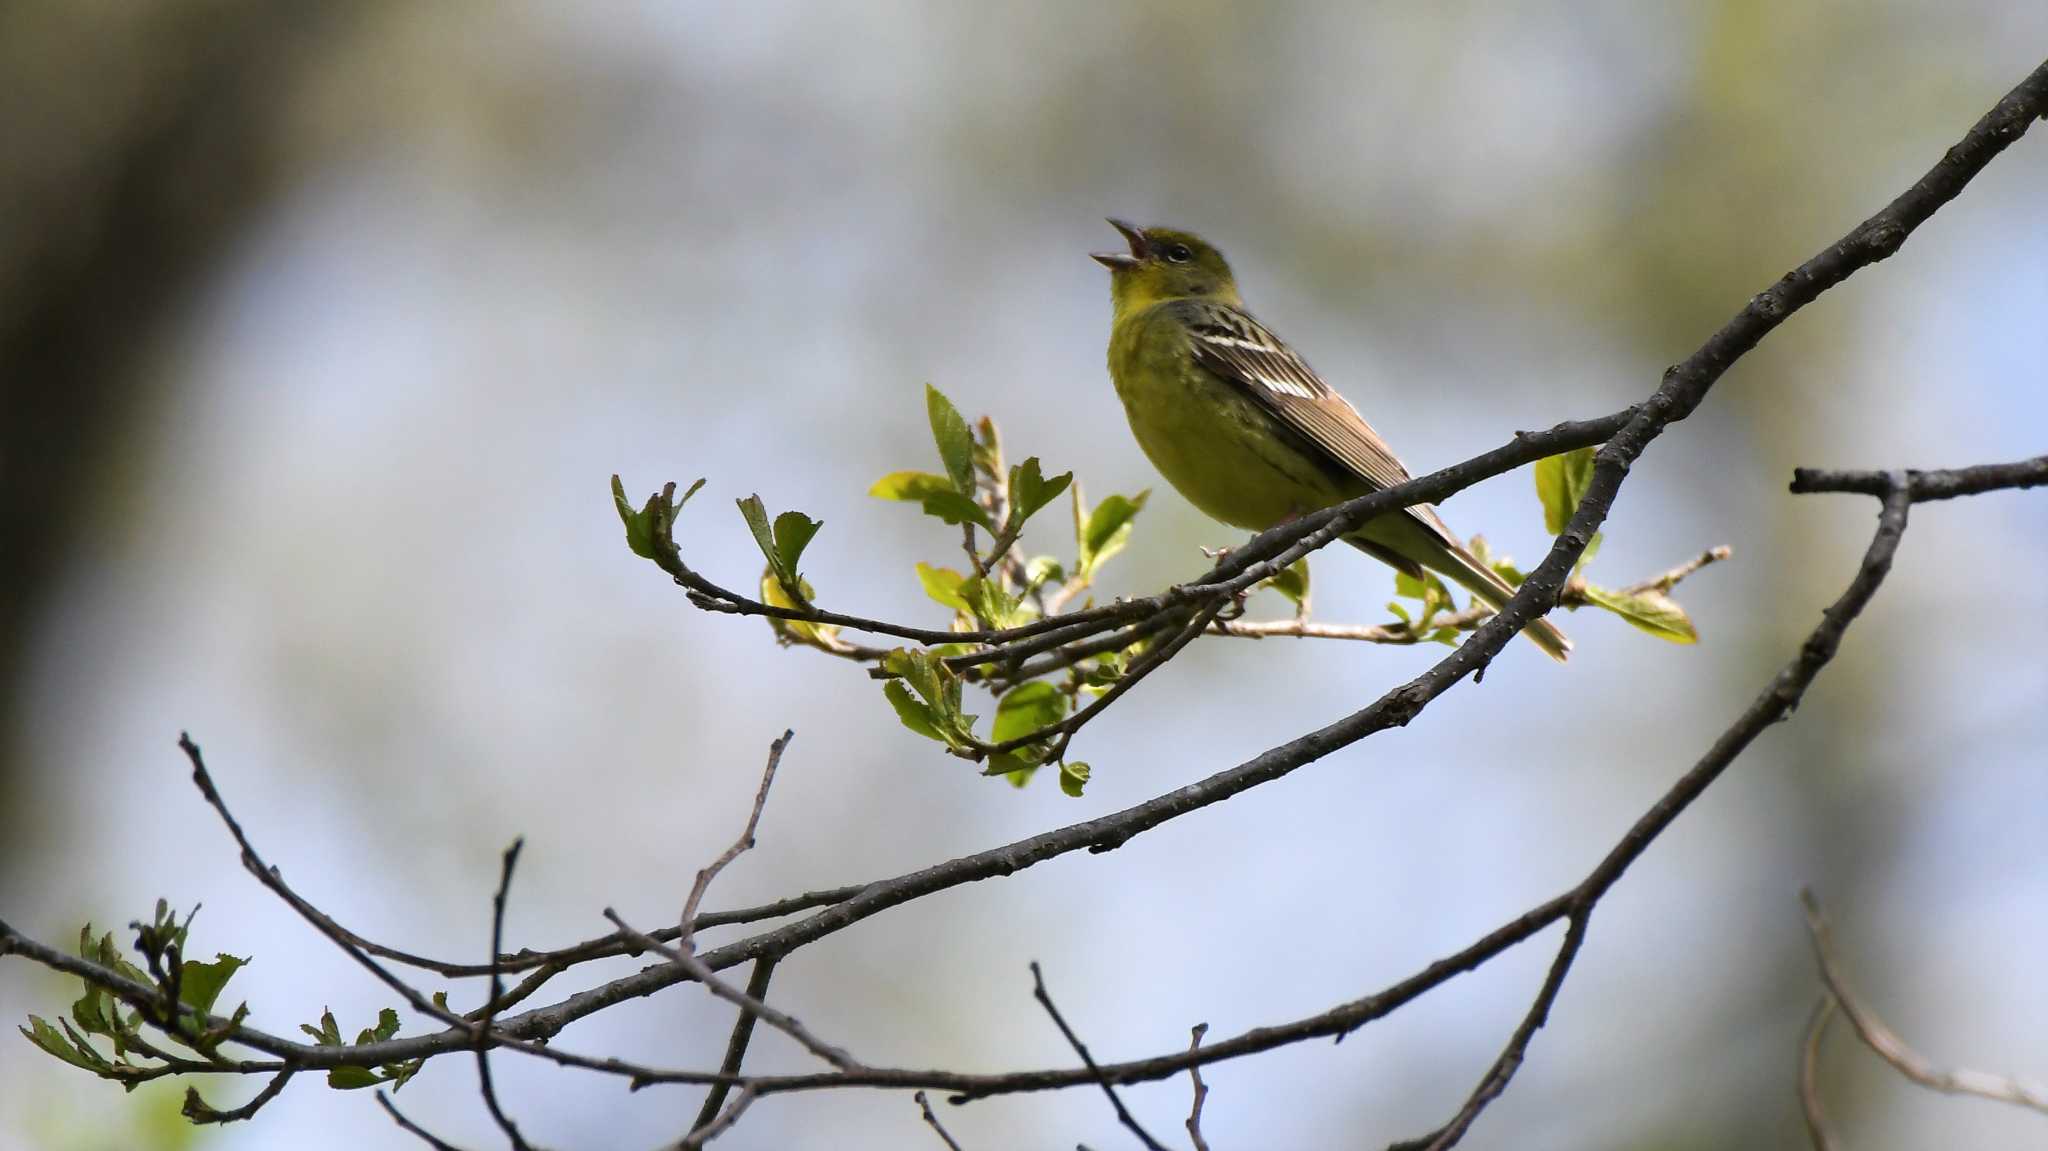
(1893, 1049)
(1510, 1061)
(273, 879)
(483, 1032)
(705, 1133)
(497, 1004)
(1809, 1075)
(742, 1035)
(1143, 666)
(781, 1021)
(425, 1136)
(1123, 1114)
(197, 1111)
(1201, 1090)
(930, 1117)
(688, 922)
(1669, 579)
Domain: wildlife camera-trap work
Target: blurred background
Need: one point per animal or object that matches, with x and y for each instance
(322, 328)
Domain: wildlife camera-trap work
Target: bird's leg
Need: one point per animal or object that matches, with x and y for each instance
(1237, 601)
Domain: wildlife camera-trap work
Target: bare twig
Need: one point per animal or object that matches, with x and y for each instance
(1201, 1090)
(931, 1118)
(688, 922)
(705, 1133)
(1510, 1060)
(425, 1136)
(1894, 1050)
(1809, 1075)
(1388, 633)
(197, 1111)
(483, 1032)
(273, 879)
(742, 1035)
(781, 1021)
(1143, 666)
(1669, 579)
(1123, 1114)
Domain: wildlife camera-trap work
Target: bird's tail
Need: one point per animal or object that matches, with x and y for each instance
(1465, 569)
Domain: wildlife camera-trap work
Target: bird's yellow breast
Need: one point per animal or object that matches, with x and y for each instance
(1213, 443)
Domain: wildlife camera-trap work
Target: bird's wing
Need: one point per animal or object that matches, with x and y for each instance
(1231, 343)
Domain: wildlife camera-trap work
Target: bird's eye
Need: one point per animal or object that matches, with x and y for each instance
(1180, 254)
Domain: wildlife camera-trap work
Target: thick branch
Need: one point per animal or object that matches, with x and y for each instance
(1945, 484)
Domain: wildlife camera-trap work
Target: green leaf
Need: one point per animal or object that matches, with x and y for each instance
(85, 1048)
(955, 508)
(199, 984)
(914, 714)
(1030, 492)
(1107, 530)
(53, 1041)
(992, 605)
(1447, 636)
(637, 535)
(1073, 777)
(91, 1010)
(1561, 482)
(1041, 569)
(912, 486)
(1027, 708)
(352, 1078)
(399, 1074)
(640, 522)
(793, 630)
(943, 585)
(1292, 583)
(756, 516)
(387, 1026)
(927, 676)
(793, 532)
(1394, 605)
(988, 447)
(1016, 766)
(328, 1034)
(1652, 611)
(1429, 589)
(955, 441)
(782, 542)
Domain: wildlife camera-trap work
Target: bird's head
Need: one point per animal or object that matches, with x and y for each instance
(1165, 264)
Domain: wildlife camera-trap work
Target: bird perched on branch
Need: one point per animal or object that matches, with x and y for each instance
(1240, 424)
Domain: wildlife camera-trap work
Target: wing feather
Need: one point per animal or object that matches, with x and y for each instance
(1231, 343)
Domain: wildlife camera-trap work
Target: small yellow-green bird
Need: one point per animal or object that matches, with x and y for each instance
(1240, 424)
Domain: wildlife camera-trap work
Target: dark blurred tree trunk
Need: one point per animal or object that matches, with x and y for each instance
(141, 141)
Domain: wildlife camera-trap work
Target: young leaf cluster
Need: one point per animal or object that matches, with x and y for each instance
(1007, 605)
(195, 984)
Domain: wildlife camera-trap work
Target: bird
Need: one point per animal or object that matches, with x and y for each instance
(1238, 422)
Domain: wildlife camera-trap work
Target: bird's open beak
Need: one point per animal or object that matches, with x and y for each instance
(1115, 260)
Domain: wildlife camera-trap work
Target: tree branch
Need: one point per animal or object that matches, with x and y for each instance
(1894, 1050)
(931, 1119)
(483, 1031)
(1809, 1075)
(1123, 1114)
